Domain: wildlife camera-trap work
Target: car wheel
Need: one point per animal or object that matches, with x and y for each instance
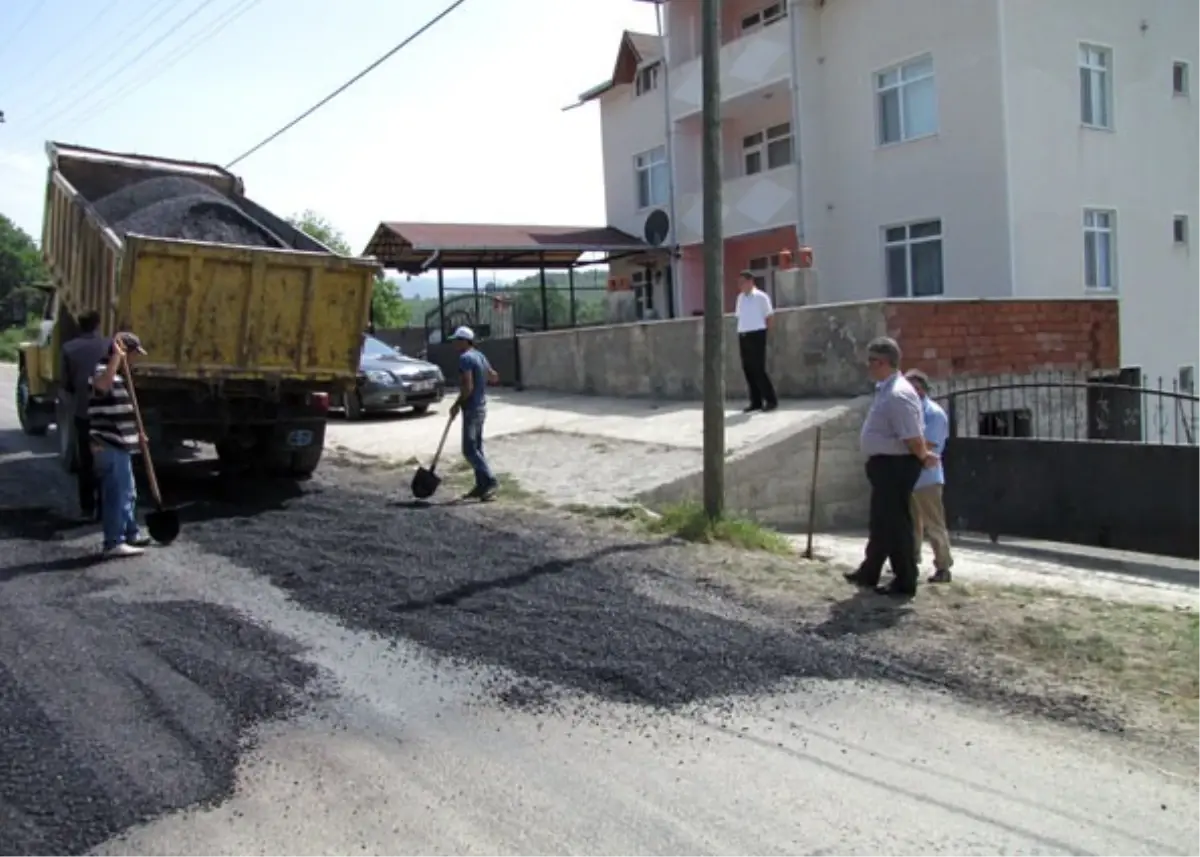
(420, 410)
(352, 405)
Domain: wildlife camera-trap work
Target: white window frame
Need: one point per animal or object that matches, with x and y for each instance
(764, 268)
(883, 87)
(1181, 78)
(1093, 227)
(646, 162)
(1099, 72)
(1180, 229)
(646, 79)
(764, 16)
(908, 242)
(762, 143)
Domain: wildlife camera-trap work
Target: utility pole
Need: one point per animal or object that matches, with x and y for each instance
(714, 261)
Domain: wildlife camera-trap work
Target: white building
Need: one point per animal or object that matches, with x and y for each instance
(965, 148)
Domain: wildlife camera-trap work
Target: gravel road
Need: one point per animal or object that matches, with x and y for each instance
(314, 670)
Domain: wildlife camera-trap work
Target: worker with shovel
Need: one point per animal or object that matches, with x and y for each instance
(475, 373)
(115, 439)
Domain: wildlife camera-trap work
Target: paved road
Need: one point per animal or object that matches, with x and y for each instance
(316, 671)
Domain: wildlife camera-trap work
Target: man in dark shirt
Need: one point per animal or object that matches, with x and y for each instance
(79, 358)
(115, 440)
(475, 372)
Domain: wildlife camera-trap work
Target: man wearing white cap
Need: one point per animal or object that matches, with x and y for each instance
(475, 373)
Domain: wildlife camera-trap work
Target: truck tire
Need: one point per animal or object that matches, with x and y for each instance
(291, 463)
(30, 413)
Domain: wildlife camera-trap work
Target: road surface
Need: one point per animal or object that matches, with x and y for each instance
(317, 671)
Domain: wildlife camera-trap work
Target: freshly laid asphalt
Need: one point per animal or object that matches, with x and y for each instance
(315, 670)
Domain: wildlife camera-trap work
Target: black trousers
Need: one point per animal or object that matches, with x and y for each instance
(86, 475)
(891, 537)
(753, 349)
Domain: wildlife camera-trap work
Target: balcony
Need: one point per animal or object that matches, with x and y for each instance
(751, 204)
(747, 64)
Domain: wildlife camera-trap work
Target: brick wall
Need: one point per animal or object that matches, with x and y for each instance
(1005, 336)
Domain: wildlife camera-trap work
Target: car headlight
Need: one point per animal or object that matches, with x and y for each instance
(381, 377)
(441, 378)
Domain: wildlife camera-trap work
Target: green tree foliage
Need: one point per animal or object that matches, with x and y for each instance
(388, 307)
(21, 269)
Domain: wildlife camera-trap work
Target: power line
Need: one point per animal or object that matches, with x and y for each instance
(429, 25)
(68, 42)
(200, 8)
(214, 28)
(37, 7)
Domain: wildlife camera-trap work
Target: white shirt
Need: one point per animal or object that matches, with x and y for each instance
(753, 309)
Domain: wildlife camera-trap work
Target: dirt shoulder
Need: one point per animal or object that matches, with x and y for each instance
(1120, 668)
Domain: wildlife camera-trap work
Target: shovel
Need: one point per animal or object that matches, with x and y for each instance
(425, 482)
(163, 523)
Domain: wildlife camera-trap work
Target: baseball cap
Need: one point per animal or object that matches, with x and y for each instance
(131, 342)
(464, 333)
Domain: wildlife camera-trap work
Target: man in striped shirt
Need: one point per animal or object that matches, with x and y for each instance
(114, 442)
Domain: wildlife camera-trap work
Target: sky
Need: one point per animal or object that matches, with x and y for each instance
(463, 125)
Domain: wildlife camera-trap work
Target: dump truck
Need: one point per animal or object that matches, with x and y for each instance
(251, 326)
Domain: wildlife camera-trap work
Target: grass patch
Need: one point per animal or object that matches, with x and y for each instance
(12, 337)
(689, 521)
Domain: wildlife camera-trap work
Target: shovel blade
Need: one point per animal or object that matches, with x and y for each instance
(425, 483)
(163, 525)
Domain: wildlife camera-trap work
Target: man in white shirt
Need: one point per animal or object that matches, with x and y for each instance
(754, 313)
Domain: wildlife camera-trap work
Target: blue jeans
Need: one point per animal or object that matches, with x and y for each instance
(472, 448)
(118, 495)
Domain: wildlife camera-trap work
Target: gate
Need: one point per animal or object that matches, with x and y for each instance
(1101, 461)
(490, 315)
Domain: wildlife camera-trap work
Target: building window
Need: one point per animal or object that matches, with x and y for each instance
(1179, 78)
(764, 268)
(1099, 251)
(773, 146)
(1180, 228)
(913, 257)
(1095, 86)
(907, 101)
(652, 177)
(646, 80)
(765, 17)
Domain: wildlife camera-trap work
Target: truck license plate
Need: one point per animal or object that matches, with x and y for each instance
(300, 438)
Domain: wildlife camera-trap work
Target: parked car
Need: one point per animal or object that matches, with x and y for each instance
(389, 380)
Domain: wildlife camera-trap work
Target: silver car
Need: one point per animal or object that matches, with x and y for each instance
(389, 380)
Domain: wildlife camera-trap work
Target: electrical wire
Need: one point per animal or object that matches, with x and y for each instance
(215, 27)
(66, 43)
(429, 25)
(12, 37)
(46, 120)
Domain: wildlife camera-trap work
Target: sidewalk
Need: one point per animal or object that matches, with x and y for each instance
(1112, 575)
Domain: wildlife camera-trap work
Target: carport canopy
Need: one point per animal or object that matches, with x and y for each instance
(411, 248)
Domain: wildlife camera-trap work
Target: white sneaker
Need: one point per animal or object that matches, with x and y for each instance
(123, 550)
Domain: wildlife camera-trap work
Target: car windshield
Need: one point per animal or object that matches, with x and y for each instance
(374, 349)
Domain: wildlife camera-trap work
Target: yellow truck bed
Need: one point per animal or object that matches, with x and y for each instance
(204, 311)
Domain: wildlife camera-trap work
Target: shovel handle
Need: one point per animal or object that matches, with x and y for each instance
(442, 443)
(141, 430)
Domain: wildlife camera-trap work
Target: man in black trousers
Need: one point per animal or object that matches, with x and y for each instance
(754, 311)
(893, 439)
(79, 359)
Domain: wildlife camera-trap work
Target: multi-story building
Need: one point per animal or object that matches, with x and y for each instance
(926, 148)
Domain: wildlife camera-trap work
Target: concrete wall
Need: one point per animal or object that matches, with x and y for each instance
(820, 350)
(771, 481)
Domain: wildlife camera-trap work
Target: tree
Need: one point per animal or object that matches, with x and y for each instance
(21, 269)
(388, 307)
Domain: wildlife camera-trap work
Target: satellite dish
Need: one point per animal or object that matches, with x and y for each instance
(657, 227)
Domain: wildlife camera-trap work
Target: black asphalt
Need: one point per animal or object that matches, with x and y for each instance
(112, 712)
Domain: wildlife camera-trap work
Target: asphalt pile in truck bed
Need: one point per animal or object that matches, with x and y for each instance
(174, 207)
